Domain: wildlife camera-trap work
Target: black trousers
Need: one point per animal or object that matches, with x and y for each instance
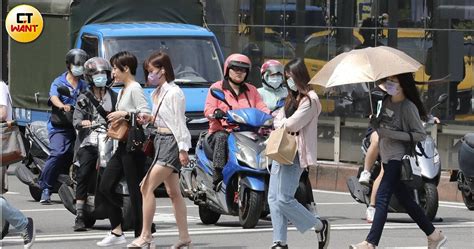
(218, 141)
(87, 157)
(130, 165)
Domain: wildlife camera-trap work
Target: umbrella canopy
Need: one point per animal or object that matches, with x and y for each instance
(364, 65)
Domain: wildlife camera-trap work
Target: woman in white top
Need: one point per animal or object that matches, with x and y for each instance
(172, 142)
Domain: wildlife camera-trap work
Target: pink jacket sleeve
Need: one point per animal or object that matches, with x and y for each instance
(211, 103)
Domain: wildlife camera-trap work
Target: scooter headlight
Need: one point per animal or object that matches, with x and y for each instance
(268, 122)
(238, 118)
(436, 158)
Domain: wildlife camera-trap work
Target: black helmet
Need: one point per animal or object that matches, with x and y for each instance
(76, 56)
(97, 65)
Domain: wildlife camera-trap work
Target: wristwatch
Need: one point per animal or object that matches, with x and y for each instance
(127, 117)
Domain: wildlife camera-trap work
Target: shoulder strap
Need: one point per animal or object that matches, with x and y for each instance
(159, 105)
(11, 104)
(96, 104)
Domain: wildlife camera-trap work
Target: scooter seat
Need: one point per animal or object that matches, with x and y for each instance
(208, 150)
(39, 129)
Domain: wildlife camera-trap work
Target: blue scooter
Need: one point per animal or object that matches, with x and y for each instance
(245, 185)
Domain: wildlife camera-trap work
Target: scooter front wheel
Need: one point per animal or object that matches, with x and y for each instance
(429, 200)
(250, 208)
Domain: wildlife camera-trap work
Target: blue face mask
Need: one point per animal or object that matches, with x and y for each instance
(77, 70)
(291, 84)
(100, 80)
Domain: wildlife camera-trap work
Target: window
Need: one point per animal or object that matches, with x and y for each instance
(90, 44)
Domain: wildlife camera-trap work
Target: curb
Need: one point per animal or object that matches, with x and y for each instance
(332, 177)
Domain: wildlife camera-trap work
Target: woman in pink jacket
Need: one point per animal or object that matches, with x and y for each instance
(300, 117)
(238, 95)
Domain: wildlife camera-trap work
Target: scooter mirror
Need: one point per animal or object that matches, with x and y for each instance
(442, 98)
(219, 94)
(64, 90)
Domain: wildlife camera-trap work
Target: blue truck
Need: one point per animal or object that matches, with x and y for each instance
(105, 27)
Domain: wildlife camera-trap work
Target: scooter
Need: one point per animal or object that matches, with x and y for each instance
(246, 177)
(426, 196)
(465, 176)
(36, 134)
(93, 208)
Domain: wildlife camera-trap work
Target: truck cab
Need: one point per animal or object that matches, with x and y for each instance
(194, 52)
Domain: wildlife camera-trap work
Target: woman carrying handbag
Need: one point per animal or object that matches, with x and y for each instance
(172, 142)
(300, 118)
(124, 162)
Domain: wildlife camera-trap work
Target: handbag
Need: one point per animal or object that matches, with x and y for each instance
(13, 149)
(149, 144)
(118, 130)
(281, 146)
(61, 118)
(136, 136)
(410, 173)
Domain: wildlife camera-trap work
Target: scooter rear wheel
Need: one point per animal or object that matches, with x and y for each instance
(35, 192)
(208, 216)
(468, 200)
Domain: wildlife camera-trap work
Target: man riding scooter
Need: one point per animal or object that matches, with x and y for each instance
(238, 95)
(92, 108)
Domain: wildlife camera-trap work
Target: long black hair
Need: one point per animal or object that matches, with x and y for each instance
(407, 83)
(300, 76)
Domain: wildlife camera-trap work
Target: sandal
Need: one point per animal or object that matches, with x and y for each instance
(182, 244)
(141, 243)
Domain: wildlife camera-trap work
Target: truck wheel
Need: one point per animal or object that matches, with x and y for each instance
(5, 228)
(127, 214)
(468, 200)
(429, 200)
(208, 216)
(35, 192)
(251, 208)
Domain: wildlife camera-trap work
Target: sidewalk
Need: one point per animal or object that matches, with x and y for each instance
(332, 176)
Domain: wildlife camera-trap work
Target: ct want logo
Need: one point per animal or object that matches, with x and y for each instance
(24, 23)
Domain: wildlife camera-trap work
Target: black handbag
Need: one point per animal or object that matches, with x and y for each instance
(61, 118)
(136, 135)
(410, 173)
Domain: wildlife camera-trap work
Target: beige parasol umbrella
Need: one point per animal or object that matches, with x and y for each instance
(364, 65)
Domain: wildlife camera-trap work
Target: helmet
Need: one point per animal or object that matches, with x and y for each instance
(95, 65)
(76, 57)
(238, 60)
(271, 67)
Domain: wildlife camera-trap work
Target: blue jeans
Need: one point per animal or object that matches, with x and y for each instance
(14, 216)
(284, 181)
(389, 185)
(61, 145)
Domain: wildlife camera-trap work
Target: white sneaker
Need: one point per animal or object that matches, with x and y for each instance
(369, 214)
(111, 240)
(364, 177)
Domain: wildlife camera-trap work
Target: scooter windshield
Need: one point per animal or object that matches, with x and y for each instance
(252, 117)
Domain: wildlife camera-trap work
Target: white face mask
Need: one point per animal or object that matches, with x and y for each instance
(291, 84)
(274, 81)
(100, 80)
(392, 87)
(77, 70)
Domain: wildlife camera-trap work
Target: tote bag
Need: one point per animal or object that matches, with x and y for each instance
(281, 146)
(13, 149)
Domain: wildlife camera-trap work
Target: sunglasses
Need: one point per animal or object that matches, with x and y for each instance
(238, 69)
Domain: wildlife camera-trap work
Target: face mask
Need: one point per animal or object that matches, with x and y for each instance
(154, 79)
(291, 84)
(100, 80)
(392, 87)
(274, 81)
(77, 70)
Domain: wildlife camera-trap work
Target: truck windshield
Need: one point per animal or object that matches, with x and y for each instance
(194, 60)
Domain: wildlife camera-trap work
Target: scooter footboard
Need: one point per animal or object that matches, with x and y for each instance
(358, 191)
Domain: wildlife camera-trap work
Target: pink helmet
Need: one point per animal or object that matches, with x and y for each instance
(238, 60)
(272, 66)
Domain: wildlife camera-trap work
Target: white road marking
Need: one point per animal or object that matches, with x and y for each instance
(64, 209)
(225, 230)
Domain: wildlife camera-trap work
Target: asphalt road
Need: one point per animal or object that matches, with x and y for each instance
(54, 226)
